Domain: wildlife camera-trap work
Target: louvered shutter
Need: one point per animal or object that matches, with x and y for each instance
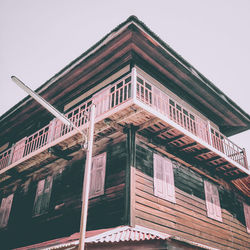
(51, 131)
(98, 175)
(212, 201)
(159, 183)
(247, 216)
(46, 194)
(5, 210)
(163, 178)
(38, 199)
(58, 130)
(101, 99)
(216, 203)
(19, 150)
(168, 169)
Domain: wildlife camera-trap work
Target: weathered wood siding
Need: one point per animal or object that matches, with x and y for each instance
(63, 216)
(187, 218)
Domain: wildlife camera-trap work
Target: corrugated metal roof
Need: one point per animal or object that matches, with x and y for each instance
(126, 233)
(109, 235)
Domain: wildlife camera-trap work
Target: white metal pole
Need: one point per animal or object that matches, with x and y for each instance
(45, 104)
(86, 181)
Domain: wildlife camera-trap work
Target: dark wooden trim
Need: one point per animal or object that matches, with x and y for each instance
(131, 151)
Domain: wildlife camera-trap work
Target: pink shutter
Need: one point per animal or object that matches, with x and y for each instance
(58, 128)
(51, 132)
(163, 178)
(98, 175)
(247, 216)
(48, 184)
(212, 201)
(40, 187)
(5, 210)
(209, 199)
(159, 189)
(169, 175)
(18, 150)
(101, 100)
(216, 203)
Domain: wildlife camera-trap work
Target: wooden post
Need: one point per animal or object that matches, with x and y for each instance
(245, 158)
(86, 180)
(209, 134)
(130, 171)
(133, 80)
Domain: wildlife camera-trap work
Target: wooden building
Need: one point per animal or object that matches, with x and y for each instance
(164, 173)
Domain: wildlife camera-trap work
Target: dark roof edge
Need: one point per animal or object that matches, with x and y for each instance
(194, 71)
(168, 49)
(67, 68)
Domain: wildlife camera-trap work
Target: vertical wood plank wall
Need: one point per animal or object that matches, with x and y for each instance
(187, 218)
(63, 216)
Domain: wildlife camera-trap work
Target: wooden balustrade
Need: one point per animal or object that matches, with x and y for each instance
(113, 96)
(160, 101)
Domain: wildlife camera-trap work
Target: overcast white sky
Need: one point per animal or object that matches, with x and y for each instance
(40, 37)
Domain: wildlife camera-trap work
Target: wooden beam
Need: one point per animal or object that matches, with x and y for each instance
(129, 216)
(199, 152)
(174, 138)
(148, 123)
(131, 114)
(114, 124)
(56, 151)
(190, 145)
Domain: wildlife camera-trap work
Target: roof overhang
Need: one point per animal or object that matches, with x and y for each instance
(131, 42)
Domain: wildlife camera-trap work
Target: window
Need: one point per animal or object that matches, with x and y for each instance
(98, 175)
(247, 216)
(163, 178)
(5, 210)
(212, 201)
(43, 193)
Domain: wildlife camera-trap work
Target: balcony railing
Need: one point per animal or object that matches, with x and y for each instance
(113, 96)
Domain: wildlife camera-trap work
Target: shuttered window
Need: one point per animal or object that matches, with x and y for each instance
(5, 210)
(212, 201)
(43, 193)
(98, 175)
(19, 150)
(247, 216)
(163, 178)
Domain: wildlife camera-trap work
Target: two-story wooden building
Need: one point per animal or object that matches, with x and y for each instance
(164, 173)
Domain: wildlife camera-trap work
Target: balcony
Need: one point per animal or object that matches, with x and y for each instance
(134, 100)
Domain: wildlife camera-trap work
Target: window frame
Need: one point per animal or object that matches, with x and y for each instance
(100, 161)
(166, 182)
(212, 199)
(5, 209)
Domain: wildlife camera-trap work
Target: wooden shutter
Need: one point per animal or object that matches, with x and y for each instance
(98, 175)
(159, 185)
(101, 99)
(39, 195)
(46, 194)
(163, 178)
(19, 150)
(160, 100)
(5, 210)
(247, 216)
(43, 194)
(212, 201)
(51, 131)
(170, 192)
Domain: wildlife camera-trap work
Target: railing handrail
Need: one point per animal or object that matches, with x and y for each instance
(198, 126)
(114, 95)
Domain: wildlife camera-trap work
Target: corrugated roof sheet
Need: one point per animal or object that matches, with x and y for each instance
(126, 233)
(109, 235)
